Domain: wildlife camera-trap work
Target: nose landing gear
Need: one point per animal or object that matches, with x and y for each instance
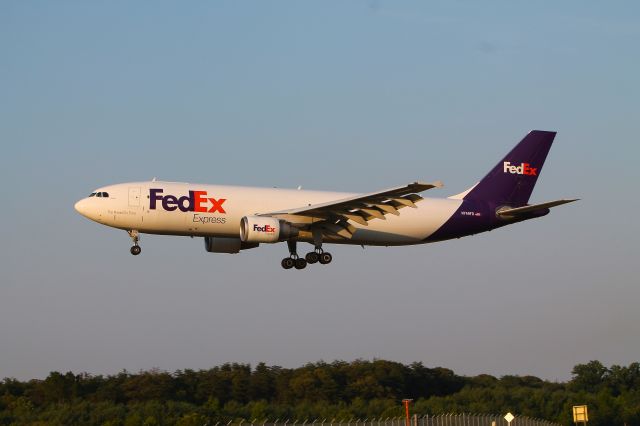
(135, 237)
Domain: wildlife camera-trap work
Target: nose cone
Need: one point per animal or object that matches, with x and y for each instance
(82, 207)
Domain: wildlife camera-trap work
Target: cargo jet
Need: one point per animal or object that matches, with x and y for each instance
(233, 218)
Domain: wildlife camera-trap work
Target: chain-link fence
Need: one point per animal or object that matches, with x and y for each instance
(465, 419)
(478, 420)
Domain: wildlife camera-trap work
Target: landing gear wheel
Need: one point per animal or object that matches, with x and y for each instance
(325, 258)
(300, 263)
(287, 263)
(312, 257)
(135, 237)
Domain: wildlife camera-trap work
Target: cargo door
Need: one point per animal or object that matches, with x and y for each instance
(134, 197)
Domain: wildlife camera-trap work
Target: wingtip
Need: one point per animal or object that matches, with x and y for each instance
(436, 184)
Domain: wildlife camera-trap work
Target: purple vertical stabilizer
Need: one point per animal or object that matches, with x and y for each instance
(513, 178)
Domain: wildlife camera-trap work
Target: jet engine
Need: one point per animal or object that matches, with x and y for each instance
(257, 229)
(226, 245)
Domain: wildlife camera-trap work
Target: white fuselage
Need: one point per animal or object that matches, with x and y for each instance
(213, 210)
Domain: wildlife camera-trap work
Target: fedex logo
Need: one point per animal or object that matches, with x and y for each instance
(196, 201)
(522, 169)
(266, 228)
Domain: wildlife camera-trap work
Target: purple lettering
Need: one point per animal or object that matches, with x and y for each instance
(169, 203)
(189, 206)
(153, 197)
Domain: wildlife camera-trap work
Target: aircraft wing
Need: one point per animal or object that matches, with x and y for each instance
(515, 212)
(335, 215)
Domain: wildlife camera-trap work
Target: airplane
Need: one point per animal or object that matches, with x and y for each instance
(235, 218)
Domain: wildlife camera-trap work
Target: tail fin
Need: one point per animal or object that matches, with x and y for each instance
(512, 179)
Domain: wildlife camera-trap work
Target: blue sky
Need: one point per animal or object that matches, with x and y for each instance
(352, 96)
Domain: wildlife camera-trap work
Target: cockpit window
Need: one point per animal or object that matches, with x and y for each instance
(99, 194)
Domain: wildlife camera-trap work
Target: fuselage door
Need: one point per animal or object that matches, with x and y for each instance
(134, 197)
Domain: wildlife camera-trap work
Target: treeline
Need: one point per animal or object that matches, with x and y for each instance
(338, 390)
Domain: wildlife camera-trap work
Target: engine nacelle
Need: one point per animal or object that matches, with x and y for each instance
(257, 229)
(226, 245)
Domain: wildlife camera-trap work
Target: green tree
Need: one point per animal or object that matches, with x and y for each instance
(588, 377)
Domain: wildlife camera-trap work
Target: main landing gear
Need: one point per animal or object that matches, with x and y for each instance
(135, 237)
(318, 255)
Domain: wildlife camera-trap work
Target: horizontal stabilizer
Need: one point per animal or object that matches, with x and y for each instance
(517, 211)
